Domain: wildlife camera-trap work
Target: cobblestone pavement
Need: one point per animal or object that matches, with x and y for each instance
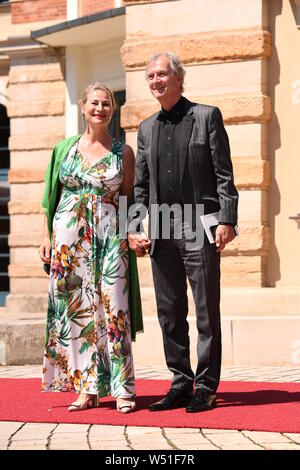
(49, 436)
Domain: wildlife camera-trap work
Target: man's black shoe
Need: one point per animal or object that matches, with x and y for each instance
(201, 401)
(175, 398)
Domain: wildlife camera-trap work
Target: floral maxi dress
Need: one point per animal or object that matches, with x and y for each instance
(88, 338)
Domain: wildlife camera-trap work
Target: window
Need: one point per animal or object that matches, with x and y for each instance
(4, 198)
(114, 127)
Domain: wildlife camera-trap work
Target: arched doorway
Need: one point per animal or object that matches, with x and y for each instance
(4, 198)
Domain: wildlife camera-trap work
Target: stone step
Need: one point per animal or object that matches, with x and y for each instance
(30, 303)
(246, 340)
(234, 301)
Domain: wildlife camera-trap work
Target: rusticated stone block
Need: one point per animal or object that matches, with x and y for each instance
(37, 125)
(224, 46)
(20, 285)
(27, 191)
(251, 173)
(25, 239)
(24, 255)
(254, 239)
(253, 207)
(29, 303)
(36, 73)
(24, 223)
(208, 80)
(134, 113)
(26, 270)
(234, 108)
(26, 176)
(202, 47)
(23, 340)
(39, 91)
(39, 108)
(37, 159)
(34, 142)
(248, 139)
(243, 271)
(25, 207)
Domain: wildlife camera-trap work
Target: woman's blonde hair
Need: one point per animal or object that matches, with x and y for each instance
(98, 86)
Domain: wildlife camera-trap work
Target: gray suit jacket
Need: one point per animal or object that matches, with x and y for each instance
(204, 151)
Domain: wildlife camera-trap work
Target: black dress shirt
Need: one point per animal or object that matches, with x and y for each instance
(170, 134)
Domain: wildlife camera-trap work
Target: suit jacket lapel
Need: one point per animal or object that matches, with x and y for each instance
(188, 122)
(154, 151)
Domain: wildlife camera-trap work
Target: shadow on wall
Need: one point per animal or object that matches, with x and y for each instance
(274, 143)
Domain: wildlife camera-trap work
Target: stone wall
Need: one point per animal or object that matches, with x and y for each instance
(36, 109)
(225, 57)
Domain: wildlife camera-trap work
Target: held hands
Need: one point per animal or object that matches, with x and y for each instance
(224, 234)
(44, 250)
(140, 243)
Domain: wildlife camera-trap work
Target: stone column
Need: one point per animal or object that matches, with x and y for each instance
(36, 109)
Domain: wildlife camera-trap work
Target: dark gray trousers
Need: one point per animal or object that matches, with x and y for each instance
(172, 264)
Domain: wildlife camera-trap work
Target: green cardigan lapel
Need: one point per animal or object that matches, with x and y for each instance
(51, 177)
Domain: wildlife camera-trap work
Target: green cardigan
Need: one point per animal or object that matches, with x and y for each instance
(49, 204)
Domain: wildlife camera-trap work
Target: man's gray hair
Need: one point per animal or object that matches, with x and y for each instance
(175, 64)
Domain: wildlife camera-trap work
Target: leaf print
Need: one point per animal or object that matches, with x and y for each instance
(85, 332)
(84, 347)
(63, 204)
(72, 222)
(73, 312)
(111, 273)
(126, 372)
(51, 316)
(81, 232)
(64, 334)
(52, 353)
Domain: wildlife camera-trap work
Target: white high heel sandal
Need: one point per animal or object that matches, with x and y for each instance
(125, 406)
(91, 401)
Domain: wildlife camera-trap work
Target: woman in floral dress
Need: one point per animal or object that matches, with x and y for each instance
(88, 337)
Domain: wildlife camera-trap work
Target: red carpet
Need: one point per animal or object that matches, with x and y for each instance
(256, 406)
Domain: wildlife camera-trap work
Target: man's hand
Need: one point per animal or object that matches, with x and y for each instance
(140, 243)
(224, 234)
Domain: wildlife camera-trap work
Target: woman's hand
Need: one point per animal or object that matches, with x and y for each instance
(140, 243)
(45, 249)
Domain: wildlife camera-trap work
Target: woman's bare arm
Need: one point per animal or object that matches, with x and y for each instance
(128, 171)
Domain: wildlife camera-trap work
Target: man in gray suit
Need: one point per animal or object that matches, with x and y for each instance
(183, 159)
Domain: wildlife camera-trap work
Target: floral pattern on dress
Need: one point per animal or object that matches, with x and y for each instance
(88, 337)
